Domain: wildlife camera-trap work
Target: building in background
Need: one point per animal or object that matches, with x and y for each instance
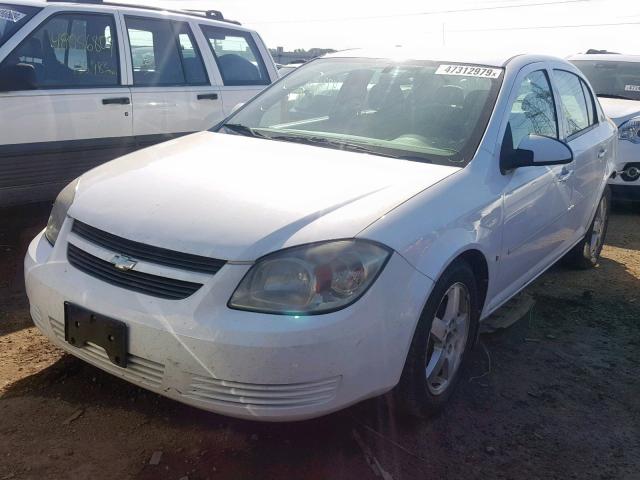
(299, 55)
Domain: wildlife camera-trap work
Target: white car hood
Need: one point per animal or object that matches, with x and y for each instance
(619, 110)
(237, 198)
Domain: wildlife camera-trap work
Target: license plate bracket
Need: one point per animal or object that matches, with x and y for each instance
(82, 325)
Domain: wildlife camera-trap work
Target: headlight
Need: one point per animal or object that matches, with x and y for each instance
(59, 211)
(629, 130)
(311, 279)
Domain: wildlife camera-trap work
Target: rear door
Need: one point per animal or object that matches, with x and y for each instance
(240, 59)
(170, 86)
(71, 110)
(591, 142)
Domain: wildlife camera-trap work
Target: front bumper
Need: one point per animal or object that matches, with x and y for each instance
(627, 153)
(626, 193)
(241, 364)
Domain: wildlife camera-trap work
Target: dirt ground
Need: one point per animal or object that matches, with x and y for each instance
(556, 396)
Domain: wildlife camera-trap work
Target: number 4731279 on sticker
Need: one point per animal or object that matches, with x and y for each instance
(469, 71)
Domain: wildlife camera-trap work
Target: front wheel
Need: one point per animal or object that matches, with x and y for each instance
(586, 253)
(441, 343)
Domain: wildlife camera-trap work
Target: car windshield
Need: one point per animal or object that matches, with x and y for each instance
(612, 78)
(426, 111)
(12, 17)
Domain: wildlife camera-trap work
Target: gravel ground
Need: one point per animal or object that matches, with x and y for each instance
(554, 396)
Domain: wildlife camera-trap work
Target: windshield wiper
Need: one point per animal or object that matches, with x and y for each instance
(612, 95)
(244, 130)
(346, 146)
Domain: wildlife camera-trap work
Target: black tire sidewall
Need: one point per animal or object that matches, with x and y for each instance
(590, 260)
(413, 391)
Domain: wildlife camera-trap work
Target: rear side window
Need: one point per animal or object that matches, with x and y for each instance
(237, 56)
(12, 18)
(69, 51)
(572, 99)
(163, 53)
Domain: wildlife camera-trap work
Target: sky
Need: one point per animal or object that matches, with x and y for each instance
(558, 27)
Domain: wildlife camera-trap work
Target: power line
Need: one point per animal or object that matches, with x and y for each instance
(432, 12)
(544, 27)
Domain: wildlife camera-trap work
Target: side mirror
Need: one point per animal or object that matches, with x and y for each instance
(20, 76)
(237, 107)
(534, 151)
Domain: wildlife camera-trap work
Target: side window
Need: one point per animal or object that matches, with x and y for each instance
(194, 70)
(163, 53)
(70, 50)
(573, 102)
(591, 106)
(237, 56)
(533, 111)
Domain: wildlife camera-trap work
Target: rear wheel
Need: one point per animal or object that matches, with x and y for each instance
(441, 343)
(586, 253)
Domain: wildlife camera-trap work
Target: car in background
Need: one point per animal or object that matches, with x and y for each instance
(616, 80)
(341, 235)
(84, 82)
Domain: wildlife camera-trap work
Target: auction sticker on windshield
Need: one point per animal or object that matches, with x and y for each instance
(11, 15)
(469, 71)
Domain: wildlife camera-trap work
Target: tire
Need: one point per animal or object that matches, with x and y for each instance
(586, 254)
(423, 390)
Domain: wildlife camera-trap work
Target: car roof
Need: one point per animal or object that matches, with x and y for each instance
(603, 57)
(142, 7)
(487, 57)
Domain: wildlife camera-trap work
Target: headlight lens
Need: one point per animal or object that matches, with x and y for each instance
(311, 279)
(59, 211)
(630, 130)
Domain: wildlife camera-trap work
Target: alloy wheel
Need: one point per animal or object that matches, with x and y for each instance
(448, 338)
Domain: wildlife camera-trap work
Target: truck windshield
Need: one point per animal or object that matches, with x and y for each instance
(612, 78)
(12, 18)
(427, 111)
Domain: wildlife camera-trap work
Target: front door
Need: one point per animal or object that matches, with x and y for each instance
(536, 199)
(73, 114)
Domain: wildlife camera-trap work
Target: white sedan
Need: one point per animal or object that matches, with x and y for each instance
(341, 235)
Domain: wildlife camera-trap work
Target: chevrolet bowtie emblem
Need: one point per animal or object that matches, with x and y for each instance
(122, 263)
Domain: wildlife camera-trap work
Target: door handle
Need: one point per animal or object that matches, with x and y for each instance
(564, 175)
(116, 101)
(207, 96)
(602, 153)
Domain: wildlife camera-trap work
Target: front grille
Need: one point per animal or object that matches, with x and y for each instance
(213, 390)
(148, 253)
(138, 369)
(153, 285)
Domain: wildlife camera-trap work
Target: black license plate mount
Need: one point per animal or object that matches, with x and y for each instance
(82, 325)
